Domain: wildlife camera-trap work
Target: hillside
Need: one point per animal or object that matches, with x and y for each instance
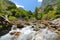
(9, 11)
(50, 8)
(48, 2)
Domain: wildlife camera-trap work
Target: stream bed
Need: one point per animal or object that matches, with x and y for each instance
(28, 33)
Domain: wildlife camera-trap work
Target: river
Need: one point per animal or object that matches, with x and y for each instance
(28, 33)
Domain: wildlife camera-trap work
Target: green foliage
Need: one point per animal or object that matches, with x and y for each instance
(36, 13)
(51, 14)
(57, 16)
(44, 17)
(9, 8)
(12, 18)
(48, 8)
(0, 26)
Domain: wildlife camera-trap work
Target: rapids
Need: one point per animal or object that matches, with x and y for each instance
(28, 33)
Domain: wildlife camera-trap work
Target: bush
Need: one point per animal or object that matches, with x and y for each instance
(44, 17)
(12, 18)
(51, 14)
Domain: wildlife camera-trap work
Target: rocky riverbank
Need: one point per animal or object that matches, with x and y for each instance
(53, 25)
(29, 33)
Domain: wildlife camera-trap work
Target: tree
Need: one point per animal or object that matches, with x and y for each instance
(36, 13)
(48, 8)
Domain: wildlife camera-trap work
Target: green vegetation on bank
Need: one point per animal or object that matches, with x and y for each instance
(9, 8)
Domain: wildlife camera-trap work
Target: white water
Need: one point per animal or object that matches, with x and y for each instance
(28, 33)
(45, 34)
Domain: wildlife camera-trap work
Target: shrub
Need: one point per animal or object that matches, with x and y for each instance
(12, 18)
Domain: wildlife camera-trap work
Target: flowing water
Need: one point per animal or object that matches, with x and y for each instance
(27, 33)
(45, 34)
